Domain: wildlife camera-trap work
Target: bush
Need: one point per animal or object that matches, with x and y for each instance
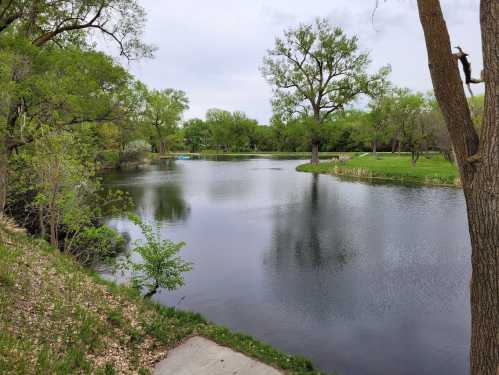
(161, 267)
(97, 244)
(135, 151)
(108, 158)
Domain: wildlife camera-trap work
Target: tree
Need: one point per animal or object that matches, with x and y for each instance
(196, 134)
(29, 25)
(65, 88)
(71, 21)
(160, 266)
(406, 116)
(442, 139)
(164, 111)
(58, 172)
(317, 70)
(219, 122)
(378, 117)
(478, 162)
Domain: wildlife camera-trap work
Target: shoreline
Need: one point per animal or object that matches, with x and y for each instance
(365, 174)
(112, 325)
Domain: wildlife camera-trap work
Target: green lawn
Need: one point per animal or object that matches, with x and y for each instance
(430, 171)
(59, 318)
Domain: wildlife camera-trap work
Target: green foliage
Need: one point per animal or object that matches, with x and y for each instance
(196, 134)
(96, 244)
(477, 105)
(316, 70)
(160, 266)
(231, 131)
(69, 22)
(163, 111)
(115, 317)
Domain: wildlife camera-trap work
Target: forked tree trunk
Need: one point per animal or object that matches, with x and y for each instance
(315, 152)
(478, 162)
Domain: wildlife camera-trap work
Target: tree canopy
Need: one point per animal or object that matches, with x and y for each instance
(316, 70)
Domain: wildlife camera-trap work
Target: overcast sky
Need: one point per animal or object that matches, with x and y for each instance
(213, 49)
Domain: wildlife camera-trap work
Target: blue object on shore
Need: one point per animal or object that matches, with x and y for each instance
(183, 157)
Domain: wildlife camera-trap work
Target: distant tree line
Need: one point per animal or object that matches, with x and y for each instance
(398, 121)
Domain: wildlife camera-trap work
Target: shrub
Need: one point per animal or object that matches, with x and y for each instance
(161, 267)
(95, 244)
(108, 158)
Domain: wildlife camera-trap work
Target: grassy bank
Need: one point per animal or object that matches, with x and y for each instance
(428, 171)
(59, 318)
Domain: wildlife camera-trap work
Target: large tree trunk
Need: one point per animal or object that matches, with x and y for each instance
(162, 147)
(375, 147)
(315, 152)
(5, 152)
(478, 162)
(394, 145)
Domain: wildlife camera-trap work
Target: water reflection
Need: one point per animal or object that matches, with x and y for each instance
(169, 203)
(157, 193)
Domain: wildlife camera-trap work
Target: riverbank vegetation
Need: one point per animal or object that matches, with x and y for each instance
(57, 317)
(432, 169)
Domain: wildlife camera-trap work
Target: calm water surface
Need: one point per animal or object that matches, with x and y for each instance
(362, 279)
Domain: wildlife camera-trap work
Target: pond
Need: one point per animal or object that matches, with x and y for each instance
(360, 278)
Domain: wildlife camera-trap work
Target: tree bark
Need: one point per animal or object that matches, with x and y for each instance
(152, 291)
(414, 157)
(4, 170)
(375, 146)
(315, 152)
(54, 236)
(41, 221)
(5, 152)
(478, 162)
(162, 147)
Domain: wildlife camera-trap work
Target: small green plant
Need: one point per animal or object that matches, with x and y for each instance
(6, 280)
(115, 317)
(160, 267)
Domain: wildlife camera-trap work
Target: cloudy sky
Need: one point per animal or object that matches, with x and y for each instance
(213, 49)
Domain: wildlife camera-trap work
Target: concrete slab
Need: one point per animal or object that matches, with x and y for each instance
(200, 356)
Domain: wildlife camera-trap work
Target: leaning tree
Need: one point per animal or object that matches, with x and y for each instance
(317, 70)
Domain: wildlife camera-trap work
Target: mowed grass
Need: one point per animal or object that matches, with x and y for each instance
(59, 318)
(432, 170)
